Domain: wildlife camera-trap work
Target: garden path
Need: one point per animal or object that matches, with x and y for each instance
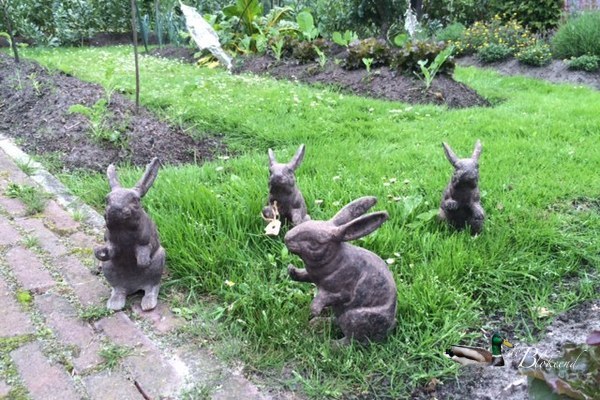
(50, 350)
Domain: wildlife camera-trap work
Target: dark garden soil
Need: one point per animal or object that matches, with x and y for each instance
(382, 83)
(556, 72)
(34, 109)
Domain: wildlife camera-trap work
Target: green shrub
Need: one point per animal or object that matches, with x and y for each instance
(493, 52)
(579, 36)
(584, 63)
(537, 55)
(407, 57)
(376, 49)
(305, 51)
(451, 33)
(481, 34)
(537, 15)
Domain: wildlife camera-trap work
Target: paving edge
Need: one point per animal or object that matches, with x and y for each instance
(51, 184)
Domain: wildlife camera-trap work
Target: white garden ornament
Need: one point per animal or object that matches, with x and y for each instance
(204, 35)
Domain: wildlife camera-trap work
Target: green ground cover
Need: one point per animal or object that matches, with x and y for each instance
(540, 156)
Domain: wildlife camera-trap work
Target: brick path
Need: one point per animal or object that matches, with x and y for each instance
(48, 351)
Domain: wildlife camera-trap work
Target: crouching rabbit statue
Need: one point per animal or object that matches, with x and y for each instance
(461, 204)
(132, 256)
(354, 282)
(284, 196)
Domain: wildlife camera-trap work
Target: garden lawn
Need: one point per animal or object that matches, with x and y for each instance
(540, 188)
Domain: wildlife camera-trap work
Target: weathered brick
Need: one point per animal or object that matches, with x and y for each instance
(84, 241)
(48, 240)
(62, 318)
(59, 220)
(110, 386)
(43, 380)
(87, 287)
(13, 322)
(154, 373)
(13, 206)
(162, 319)
(28, 270)
(13, 173)
(237, 387)
(4, 389)
(8, 234)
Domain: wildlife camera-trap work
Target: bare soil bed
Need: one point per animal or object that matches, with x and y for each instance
(382, 83)
(34, 109)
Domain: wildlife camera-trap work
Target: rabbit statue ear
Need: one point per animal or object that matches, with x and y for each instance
(272, 159)
(113, 180)
(450, 154)
(354, 210)
(298, 157)
(361, 226)
(477, 151)
(148, 178)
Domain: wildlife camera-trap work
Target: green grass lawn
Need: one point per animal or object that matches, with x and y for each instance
(541, 152)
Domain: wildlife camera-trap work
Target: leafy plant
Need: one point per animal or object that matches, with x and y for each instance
(407, 58)
(452, 33)
(368, 62)
(248, 12)
(428, 73)
(99, 121)
(345, 39)
(34, 199)
(579, 36)
(277, 48)
(537, 55)
(306, 23)
(373, 48)
(306, 51)
(322, 57)
(584, 63)
(493, 52)
(496, 31)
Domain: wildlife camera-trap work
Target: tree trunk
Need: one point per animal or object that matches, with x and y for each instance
(135, 54)
(384, 14)
(8, 25)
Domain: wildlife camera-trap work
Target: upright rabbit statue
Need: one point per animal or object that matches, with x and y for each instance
(132, 256)
(461, 204)
(283, 190)
(354, 282)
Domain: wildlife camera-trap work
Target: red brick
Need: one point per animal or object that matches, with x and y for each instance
(28, 270)
(162, 319)
(8, 234)
(48, 240)
(43, 380)
(155, 374)
(87, 287)
(59, 219)
(111, 386)
(62, 318)
(84, 241)
(14, 322)
(13, 206)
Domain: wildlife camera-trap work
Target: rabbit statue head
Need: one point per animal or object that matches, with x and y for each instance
(284, 194)
(132, 257)
(354, 282)
(461, 204)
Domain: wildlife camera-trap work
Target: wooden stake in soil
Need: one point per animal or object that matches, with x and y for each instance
(135, 54)
(8, 25)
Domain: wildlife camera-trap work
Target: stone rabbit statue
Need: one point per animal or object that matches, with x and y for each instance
(132, 256)
(461, 201)
(284, 195)
(354, 282)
